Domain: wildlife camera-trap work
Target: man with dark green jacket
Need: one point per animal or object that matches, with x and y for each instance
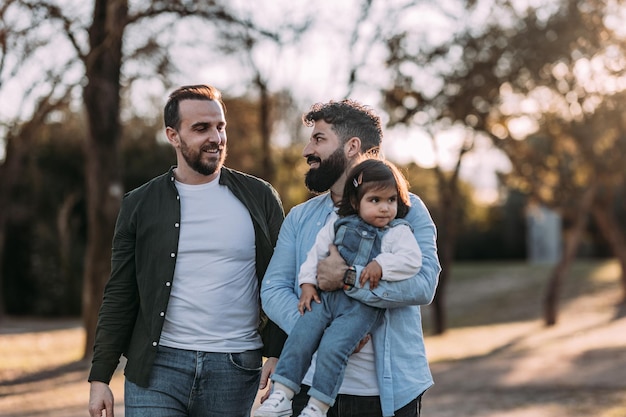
(182, 303)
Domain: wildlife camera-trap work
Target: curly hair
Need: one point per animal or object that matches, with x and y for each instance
(348, 119)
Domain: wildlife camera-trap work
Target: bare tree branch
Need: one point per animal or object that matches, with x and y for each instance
(212, 11)
(54, 12)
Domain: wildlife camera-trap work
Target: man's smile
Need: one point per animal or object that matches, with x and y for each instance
(212, 149)
(313, 161)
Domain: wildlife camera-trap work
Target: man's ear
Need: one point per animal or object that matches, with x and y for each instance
(172, 136)
(353, 147)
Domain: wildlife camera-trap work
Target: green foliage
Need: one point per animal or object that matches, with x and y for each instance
(290, 176)
(486, 231)
(46, 231)
(244, 141)
(498, 232)
(145, 152)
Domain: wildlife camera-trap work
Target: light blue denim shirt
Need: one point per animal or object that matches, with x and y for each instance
(401, 365)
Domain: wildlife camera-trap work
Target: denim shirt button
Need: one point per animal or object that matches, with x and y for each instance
(167, 284)
(154, 343)
(176, 225)
(162, 314)
(173, 255)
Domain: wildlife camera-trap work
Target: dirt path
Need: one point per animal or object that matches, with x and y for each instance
(575, 369)
(514, 369)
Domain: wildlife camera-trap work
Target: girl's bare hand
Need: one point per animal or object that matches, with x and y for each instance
(309, 293)
(373, 272)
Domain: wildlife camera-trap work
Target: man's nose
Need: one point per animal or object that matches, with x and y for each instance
(215, 136)
(307, 150)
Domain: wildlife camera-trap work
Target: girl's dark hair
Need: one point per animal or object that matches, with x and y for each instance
(371, 174)
(171, 115)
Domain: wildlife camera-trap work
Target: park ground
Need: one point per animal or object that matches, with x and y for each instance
(496, 360)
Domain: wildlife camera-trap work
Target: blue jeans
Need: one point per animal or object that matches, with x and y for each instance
(334, 328)
(186, 383)
(357, 406)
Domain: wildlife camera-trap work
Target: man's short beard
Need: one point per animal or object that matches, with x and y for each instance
(320, 179)
(194, 160)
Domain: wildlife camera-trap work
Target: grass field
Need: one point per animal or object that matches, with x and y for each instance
(496, 360)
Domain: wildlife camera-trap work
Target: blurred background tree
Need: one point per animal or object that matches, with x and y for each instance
(553, 73)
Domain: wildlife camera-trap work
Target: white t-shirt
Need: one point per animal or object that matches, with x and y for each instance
(214, 300)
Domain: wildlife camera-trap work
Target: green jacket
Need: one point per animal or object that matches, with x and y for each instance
(145, 245)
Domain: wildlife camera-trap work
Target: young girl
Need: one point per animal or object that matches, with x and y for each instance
(368, 230)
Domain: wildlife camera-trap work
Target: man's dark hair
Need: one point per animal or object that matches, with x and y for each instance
(348, 119)
(171, 114)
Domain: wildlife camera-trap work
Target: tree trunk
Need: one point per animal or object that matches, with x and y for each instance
(610, 229)
(560, 270)
(447, 232)
(101, 97)
(9, 172)
(440, 318)
(265, 130)
(66, 248)
(448, 187)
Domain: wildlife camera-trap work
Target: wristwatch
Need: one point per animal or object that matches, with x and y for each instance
(349, 278)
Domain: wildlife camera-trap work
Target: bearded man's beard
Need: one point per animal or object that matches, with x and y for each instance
(194, 159)
(320, 179)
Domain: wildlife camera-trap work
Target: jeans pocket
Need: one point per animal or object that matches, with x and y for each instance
(250, 360)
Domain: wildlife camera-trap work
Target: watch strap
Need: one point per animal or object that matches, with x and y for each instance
(349, 278)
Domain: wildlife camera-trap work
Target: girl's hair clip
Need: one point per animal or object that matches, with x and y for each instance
(356, 181)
